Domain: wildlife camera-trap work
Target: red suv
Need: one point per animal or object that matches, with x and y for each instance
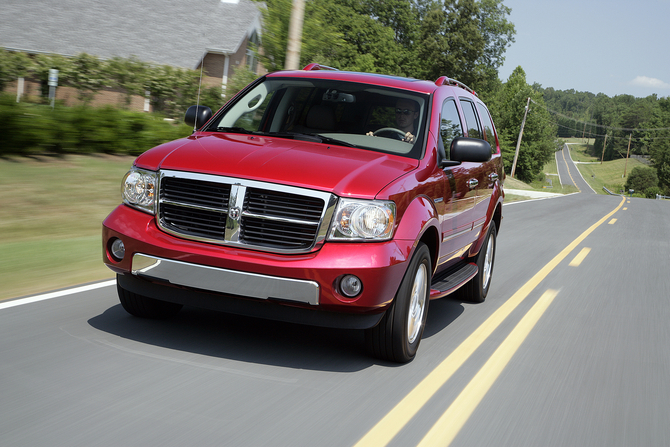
(319, 197)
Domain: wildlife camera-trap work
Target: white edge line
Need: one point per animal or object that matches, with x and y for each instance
(48, 296)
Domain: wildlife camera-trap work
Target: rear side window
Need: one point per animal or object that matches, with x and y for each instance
(488, 126)
(450, 124)
(471, 122)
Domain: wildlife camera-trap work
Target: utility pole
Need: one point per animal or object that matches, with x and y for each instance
(602, 157)
(518, 142)
(627, 154)
(295, 35)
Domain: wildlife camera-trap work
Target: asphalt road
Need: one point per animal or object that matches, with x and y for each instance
(558, 355)
(568, 173)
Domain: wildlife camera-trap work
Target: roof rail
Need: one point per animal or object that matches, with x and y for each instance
(444, 80)
(319, 67)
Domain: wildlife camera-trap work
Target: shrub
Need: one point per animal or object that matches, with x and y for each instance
(651, 192)
(31, 128)
(641, 178)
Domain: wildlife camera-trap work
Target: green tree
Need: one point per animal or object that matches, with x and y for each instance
(450, 37)
(87, 76)
(320, 40)
(537, 145)
(127, 74)
(641, 179)
(660, 156)
(172, 89)
(464, 39)
(497, 31)
(13, 65)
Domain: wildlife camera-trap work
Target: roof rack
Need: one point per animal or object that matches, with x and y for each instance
(444, 80)
(319, 67)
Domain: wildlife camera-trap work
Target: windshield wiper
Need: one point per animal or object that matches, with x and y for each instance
(309, 137)
(329, 140)
(235, 130)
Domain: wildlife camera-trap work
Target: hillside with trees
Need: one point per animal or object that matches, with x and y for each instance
(616, 123)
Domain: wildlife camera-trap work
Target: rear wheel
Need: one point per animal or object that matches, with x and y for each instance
(398, 334)
(145, 307)
(478, 287)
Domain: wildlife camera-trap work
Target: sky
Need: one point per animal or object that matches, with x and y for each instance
(613, 47)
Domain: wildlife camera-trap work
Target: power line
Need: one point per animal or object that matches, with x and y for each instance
(594, 135)
(624, 129)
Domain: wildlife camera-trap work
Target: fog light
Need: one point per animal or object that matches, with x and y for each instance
(118, 249)
(350, 286)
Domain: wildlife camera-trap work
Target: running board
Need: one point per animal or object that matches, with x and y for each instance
(446, 284)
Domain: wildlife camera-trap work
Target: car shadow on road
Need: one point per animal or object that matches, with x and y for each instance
(441, 313)
(247, 339)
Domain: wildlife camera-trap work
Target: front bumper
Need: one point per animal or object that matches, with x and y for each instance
(308, 281)
(225, 281)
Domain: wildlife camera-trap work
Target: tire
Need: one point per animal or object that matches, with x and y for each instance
(145, 307)
(398, 334)
(477, 288)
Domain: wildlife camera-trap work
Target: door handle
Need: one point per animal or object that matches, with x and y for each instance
(472, 183)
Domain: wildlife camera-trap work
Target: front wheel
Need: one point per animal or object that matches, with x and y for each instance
(399, 332)
(145, 307)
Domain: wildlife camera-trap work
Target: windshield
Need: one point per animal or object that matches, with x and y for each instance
(334, 112)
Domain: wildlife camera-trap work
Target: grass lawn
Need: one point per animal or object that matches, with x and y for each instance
(51, 212)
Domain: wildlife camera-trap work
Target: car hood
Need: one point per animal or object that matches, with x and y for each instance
(337, 169)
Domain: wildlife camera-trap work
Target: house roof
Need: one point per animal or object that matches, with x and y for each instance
(171, 32)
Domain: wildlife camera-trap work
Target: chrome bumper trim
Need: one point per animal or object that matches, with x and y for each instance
(226, 281)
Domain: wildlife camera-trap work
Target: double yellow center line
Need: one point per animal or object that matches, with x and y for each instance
(386, 429)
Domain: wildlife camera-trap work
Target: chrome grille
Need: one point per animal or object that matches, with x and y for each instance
(242, 212)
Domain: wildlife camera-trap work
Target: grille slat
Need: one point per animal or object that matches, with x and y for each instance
(198, 209)
(200, 223)
(195, 192)
(278, 204)
(258, 230)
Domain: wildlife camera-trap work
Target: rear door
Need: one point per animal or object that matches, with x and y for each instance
(491, 174)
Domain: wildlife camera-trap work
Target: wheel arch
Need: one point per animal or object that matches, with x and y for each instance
(420, 223)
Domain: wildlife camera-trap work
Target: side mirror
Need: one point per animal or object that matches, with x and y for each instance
(197, 116)
(470, 149)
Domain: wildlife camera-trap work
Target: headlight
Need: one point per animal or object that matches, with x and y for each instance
(363, 219)
(139, 189)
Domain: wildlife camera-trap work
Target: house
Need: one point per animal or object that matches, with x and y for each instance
(212, 34)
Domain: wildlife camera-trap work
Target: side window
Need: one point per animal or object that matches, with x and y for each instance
(450, 124)
(488, 126)
(474, 131)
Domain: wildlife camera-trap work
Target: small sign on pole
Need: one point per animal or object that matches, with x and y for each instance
(53, 83)
(53, 77)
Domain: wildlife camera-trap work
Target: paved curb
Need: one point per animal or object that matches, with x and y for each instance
(532, 194)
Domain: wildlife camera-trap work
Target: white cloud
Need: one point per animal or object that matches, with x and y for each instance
(644, 81)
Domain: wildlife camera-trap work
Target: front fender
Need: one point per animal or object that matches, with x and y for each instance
(419, 218)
